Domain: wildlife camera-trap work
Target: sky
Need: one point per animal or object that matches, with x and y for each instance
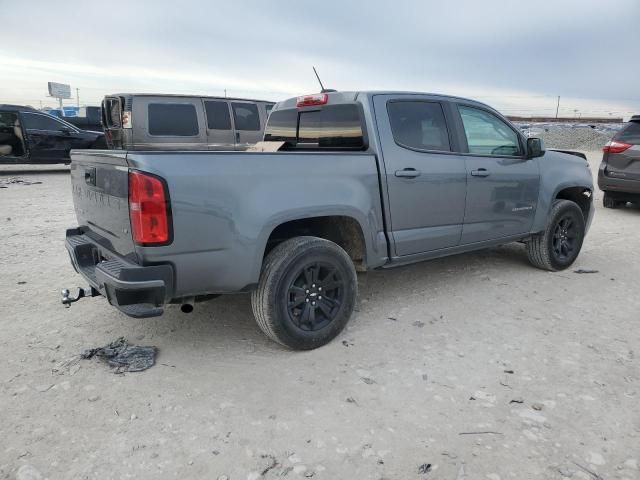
(514, 55)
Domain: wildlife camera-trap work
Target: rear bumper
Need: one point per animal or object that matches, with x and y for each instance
(607, 183)
(138, 291)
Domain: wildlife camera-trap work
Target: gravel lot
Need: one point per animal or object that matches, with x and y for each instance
(572, 136)
(471, 367)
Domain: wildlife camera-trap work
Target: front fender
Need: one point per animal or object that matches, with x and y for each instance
(559, 171)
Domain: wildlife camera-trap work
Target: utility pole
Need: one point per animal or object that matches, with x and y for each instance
(558, 107)
(78, 97)
(225, 93)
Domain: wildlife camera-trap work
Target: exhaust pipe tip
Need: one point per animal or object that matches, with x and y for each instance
(186, 307)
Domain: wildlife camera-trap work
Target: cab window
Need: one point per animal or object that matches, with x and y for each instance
(630, 133)
(173, 119)
(246, 116)
(218, 117)
(418, 124)
(487, 134)
(36, 121)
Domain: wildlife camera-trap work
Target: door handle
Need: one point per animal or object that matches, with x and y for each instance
(408, 173)
(481, 172)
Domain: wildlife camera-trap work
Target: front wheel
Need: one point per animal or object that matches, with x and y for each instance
(306, 294)
(559, 245)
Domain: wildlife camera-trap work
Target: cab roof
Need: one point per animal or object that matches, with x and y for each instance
(177, 95)
(352, 96)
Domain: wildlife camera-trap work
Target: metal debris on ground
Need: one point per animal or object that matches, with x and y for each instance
(424, 468)
(123, 357)
(585, 270)
(5, 182)
(481, 433)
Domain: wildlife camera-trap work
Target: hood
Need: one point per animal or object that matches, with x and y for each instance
(568, 156)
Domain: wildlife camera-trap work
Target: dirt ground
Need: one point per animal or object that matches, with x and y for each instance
(471, 367)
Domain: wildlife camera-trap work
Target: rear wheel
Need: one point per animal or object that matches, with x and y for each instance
(610, 201)
(559, 245)
(306, 294)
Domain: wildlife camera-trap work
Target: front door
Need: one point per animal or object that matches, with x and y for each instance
(426, 180)
(246, 119)
(219, 129)
(502, 185)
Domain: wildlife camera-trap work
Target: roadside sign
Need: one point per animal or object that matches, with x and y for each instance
(59, 90)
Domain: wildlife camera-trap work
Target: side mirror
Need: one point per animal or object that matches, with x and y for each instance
(65, 130)
(535, 147)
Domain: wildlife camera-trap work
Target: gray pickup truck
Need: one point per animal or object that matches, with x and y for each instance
(362, 180)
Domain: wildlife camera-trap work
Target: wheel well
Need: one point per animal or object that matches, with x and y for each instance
(344, 231)
(577, 195)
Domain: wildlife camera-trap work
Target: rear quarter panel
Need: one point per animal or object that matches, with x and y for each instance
(226, 204)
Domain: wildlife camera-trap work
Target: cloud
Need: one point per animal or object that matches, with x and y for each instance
(513, 54)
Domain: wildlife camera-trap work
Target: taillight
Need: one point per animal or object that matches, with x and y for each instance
(148, 209)
(615, 147)
(310, 100)
(126, 120)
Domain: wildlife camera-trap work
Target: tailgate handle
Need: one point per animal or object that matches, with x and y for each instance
(90, 176)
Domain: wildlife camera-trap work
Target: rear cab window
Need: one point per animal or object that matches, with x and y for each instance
(337, 127)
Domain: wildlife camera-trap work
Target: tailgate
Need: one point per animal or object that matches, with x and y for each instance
(100, 185)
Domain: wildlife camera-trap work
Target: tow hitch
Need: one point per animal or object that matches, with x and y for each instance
(67, 299)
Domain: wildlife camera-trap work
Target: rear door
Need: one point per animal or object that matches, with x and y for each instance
(426, 179)
(502, 185)
(49, 139)
(111, 114)
(246, 119)
(625, 164)
(168, 123)
(220, 135)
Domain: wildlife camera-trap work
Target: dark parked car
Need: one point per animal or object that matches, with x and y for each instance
(89, 118)
(30, 136)
(619, 174)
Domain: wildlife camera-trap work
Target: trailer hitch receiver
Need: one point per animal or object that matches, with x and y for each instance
(67, 299)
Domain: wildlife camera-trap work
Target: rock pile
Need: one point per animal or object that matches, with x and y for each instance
(572, 136)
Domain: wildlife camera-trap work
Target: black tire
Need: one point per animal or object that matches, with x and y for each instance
(559, 245)
(282, 304)
(609, 201)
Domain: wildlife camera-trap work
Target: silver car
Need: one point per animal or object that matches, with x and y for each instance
(180, 122)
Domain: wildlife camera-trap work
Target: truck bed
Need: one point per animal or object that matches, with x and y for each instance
(224, 206)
